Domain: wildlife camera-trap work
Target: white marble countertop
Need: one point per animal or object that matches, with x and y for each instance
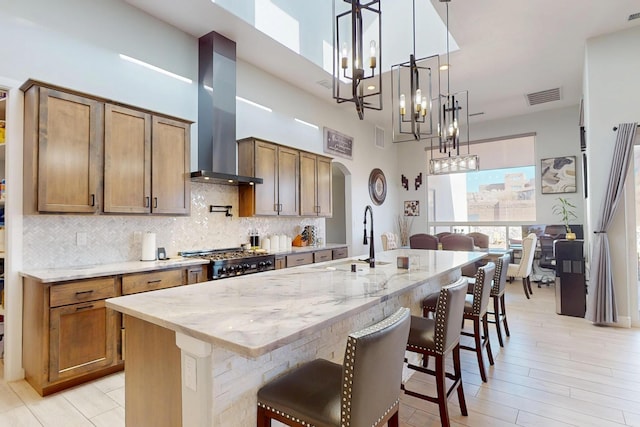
(254, 314)
(50, 275)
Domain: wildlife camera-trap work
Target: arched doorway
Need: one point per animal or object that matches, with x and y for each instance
(338, 228)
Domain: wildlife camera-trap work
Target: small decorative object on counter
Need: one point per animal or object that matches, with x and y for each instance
(309, 235)
(266, 244)
(298, 241)
(403, 262)
(149, 247)
(254, 238)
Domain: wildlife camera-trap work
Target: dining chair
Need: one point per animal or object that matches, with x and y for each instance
(439, 337)
(480, 240)
(524, 268)
(460, 242)
(363, 391)
(423, 241)
(442, 234)
(475, 309)
(389, 241)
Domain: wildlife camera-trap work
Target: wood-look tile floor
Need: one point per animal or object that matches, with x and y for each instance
(554, 371)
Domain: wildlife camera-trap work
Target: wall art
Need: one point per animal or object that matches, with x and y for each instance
(558, 175)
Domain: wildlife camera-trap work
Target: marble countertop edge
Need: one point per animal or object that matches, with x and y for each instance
(49, 275)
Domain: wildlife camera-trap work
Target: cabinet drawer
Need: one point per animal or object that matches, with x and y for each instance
(82, 291)
(299, 259)
(340, 253)
(320, 256)
(143, 282)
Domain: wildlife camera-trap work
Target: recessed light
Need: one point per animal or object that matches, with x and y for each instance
(371, 87)
(156, 69)
(444, 67)
(255, 104)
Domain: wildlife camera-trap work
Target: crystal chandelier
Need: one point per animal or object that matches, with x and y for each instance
(351, 81)
(412, 115)
(453, 125)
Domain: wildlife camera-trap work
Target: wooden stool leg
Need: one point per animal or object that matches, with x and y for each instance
(504, 315)
(457, 372)
(496, 315)
(442, 391)
(486, 341)
(529, 285)
(478, 341)
(394, 421)
(263, 419)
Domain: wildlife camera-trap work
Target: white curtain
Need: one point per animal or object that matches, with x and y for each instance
(602, 307)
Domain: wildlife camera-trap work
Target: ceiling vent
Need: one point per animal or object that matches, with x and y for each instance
(541, 97)
(634, 16)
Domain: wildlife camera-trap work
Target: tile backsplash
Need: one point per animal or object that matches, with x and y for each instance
(51, 241)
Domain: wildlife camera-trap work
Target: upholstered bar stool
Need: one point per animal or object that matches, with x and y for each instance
(460, 242)
(475, 309)
(363, 391)
(439, 337)
(498, 287)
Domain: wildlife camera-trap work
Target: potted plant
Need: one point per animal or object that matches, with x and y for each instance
(566, 210)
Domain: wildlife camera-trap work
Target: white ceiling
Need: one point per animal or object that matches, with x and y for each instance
(507, 48)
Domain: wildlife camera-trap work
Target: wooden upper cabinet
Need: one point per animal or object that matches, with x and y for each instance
(127, 160)
(71, 141)
(278, 167)
(170, 185)
(62, 148)
(315, 185)
(288, 173)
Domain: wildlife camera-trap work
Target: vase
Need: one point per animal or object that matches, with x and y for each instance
(570, 236)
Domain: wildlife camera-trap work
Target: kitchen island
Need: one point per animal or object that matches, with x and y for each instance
(198, 354)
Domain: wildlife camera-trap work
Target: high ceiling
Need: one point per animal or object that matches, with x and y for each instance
(507, 48)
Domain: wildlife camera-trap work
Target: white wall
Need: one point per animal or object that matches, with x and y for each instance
(557, 134)
(76, 44)
(612, 96)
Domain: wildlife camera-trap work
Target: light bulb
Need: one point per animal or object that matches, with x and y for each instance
(372, 59)
(424, 106)
(402, 105)
(418, 99)
(344, 55)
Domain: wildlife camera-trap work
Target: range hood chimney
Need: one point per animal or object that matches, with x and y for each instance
(217, 148)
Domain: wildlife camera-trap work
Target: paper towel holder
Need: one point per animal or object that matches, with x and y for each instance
(217, 208)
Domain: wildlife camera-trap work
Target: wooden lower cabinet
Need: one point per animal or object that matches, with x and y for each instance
(82, 338)
(70, 336)
(67, 343)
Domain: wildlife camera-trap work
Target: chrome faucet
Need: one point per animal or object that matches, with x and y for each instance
(372, 257)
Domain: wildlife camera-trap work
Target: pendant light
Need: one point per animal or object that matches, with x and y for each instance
(411, 95)
(352, 82)
(453, 127)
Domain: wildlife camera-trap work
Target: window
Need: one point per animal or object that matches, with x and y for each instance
(503, 191)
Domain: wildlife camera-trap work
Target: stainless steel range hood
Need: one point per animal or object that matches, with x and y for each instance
(217, 148)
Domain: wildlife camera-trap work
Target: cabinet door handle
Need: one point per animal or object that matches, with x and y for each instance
(154, 281)
(147, 201)
(93, 200)
(86, 307)
(83, 292)
(275, 207)
(155, 202)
